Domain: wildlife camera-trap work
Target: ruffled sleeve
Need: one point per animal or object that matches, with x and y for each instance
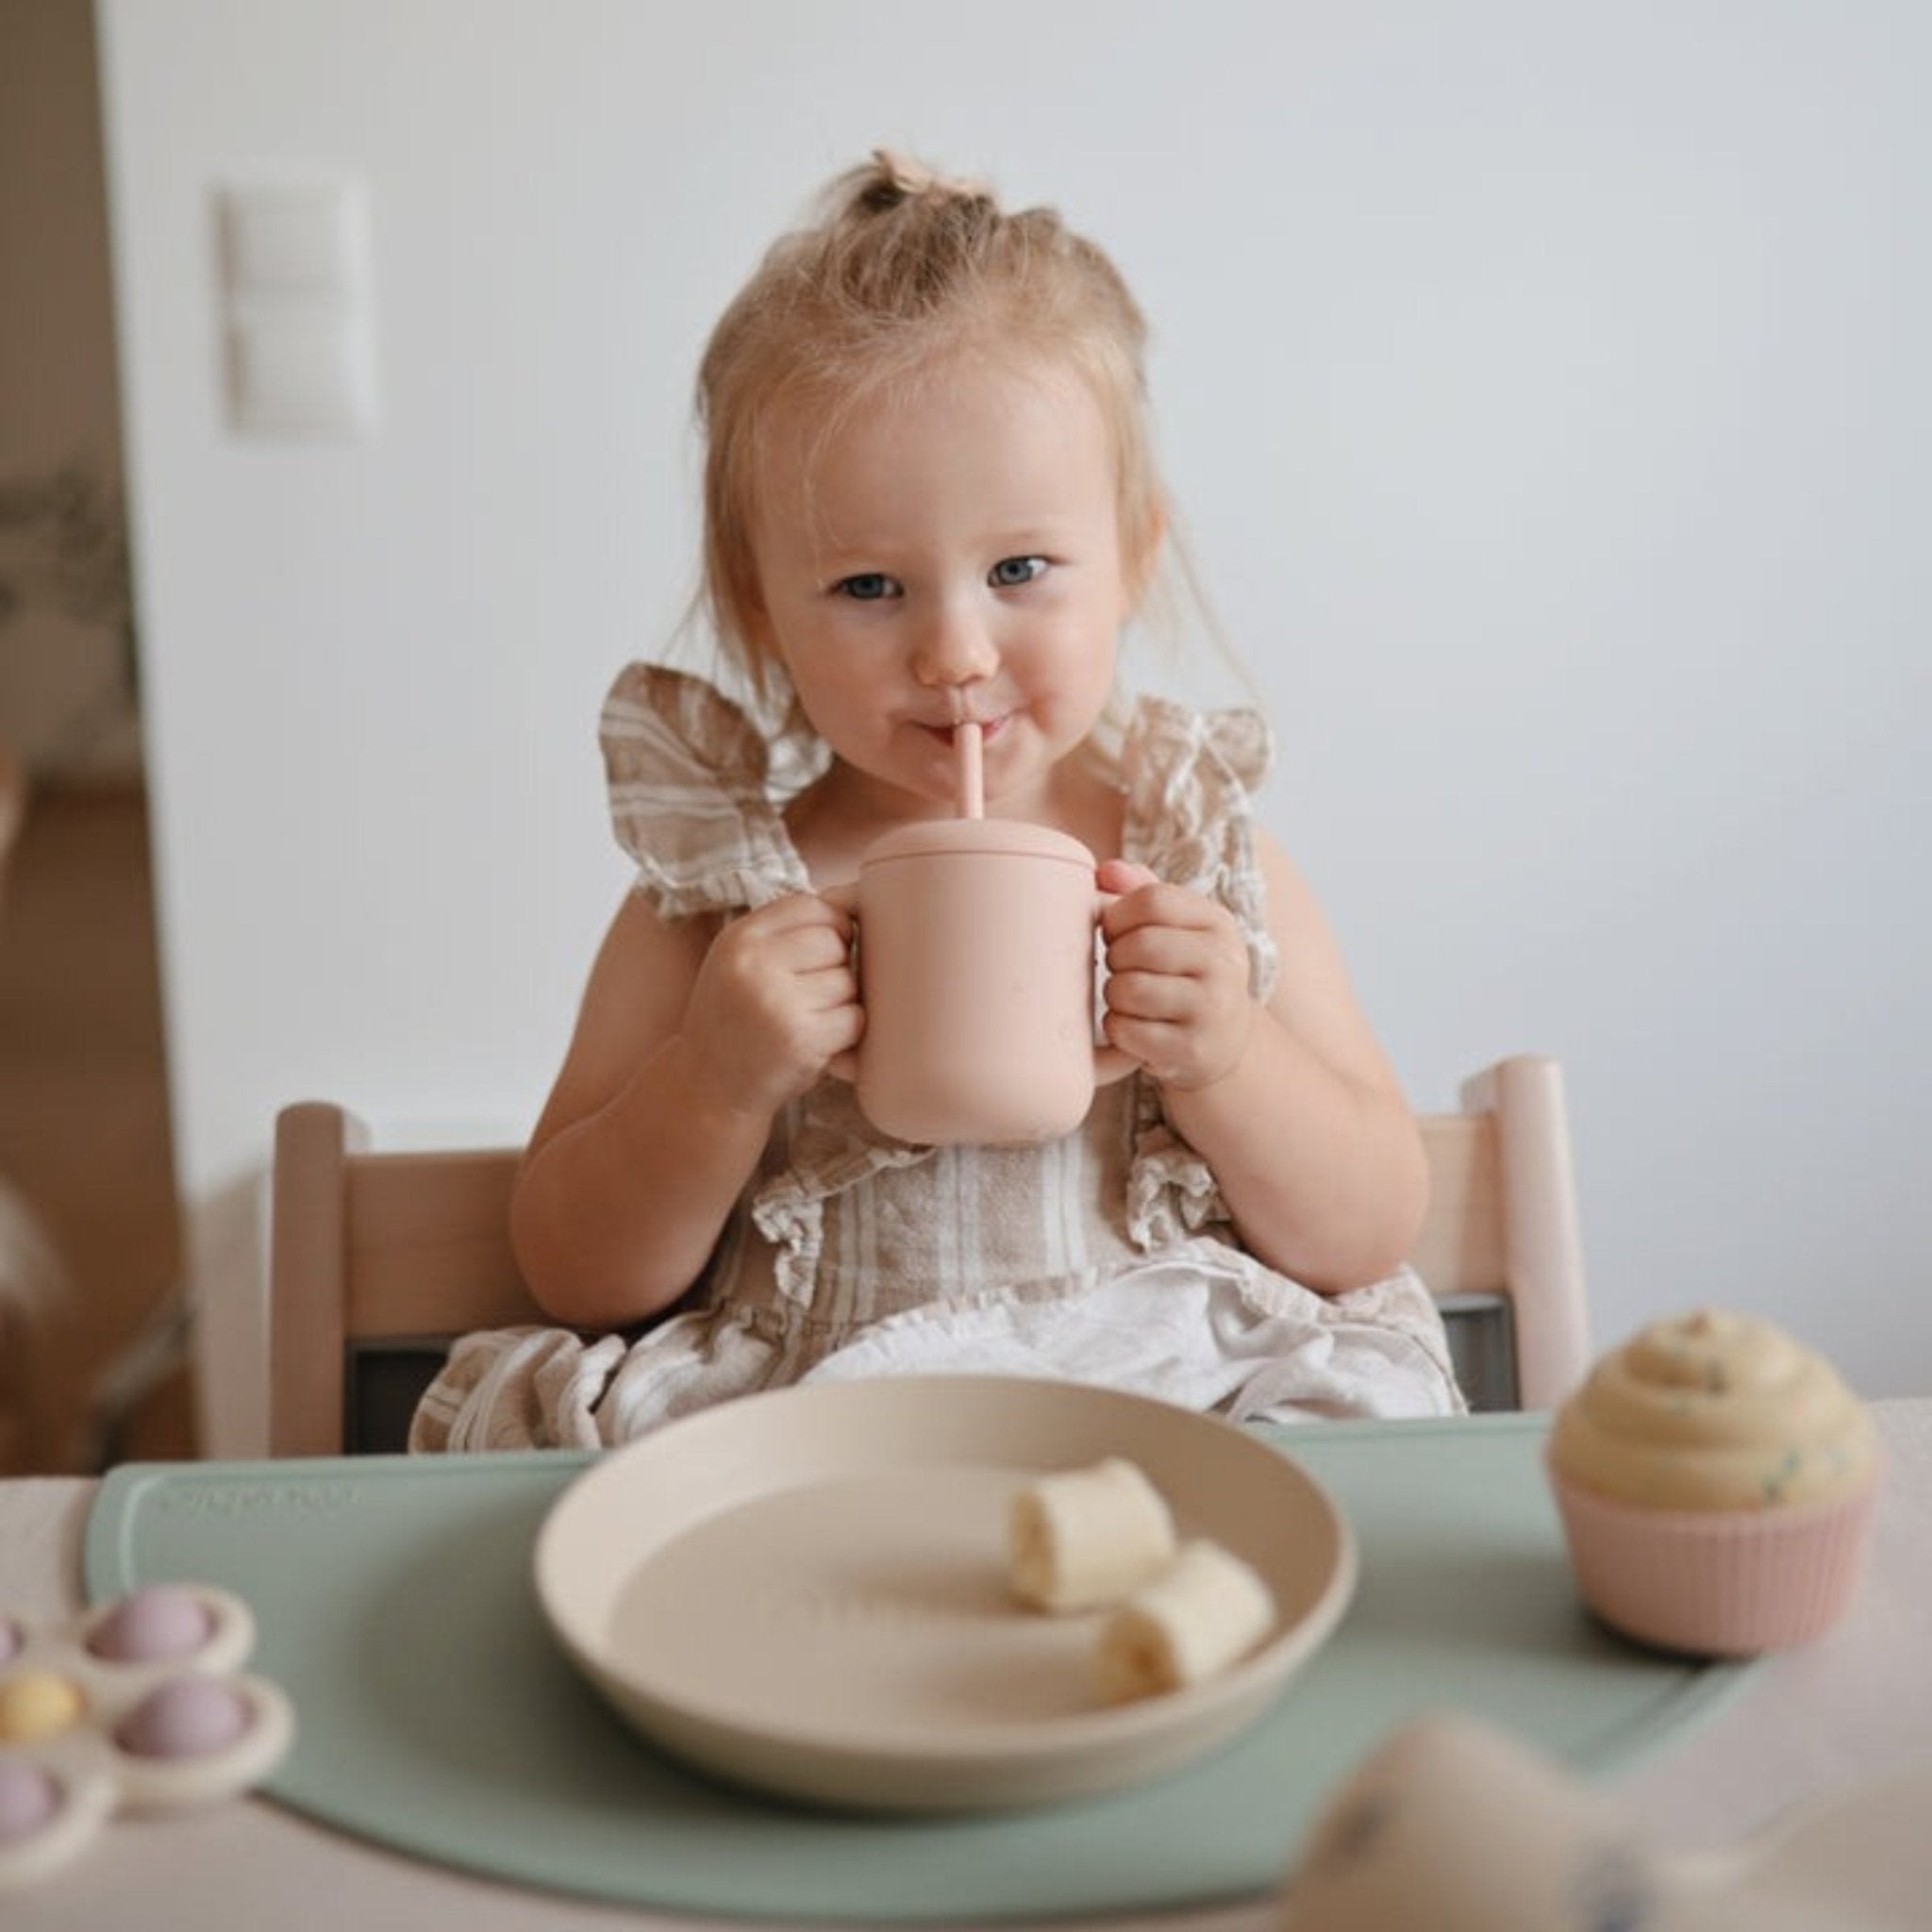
(1190, 817)
(690, 795)
(1190, 813)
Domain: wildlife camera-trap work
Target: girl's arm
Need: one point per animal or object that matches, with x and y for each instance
(1293, 1105)
(689, 1039)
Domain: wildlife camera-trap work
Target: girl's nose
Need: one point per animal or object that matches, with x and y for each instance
(953, 648)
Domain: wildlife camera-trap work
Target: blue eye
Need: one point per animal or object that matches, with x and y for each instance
(868, 587)
(1012, 571)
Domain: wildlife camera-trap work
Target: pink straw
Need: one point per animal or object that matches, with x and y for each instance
(971, 785)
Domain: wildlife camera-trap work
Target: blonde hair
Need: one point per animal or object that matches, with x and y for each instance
(903, 269)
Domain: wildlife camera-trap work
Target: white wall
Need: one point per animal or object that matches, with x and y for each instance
(1546, 391)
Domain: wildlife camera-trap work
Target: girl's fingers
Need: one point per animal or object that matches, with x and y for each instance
(823, 989)
(1159, 1045)
(801, 912)
(792, 935)
(1163, 906)
(814, 949)
(1153, 996)
(1123, 876)
(1191, 953)
(1159, 949)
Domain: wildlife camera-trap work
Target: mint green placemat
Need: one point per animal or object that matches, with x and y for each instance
(435, 1715)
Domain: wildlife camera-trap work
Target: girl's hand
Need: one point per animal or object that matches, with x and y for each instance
(773, 1001)
(1177, 996)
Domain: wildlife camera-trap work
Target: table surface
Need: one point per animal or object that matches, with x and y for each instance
(1857, 1703)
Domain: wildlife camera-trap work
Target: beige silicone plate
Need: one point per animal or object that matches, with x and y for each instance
(806, 1590)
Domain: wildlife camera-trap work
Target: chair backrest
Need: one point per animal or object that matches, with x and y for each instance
(1501, 1247)
(380, 1259)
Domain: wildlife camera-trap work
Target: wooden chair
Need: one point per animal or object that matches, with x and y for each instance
(380, 1259)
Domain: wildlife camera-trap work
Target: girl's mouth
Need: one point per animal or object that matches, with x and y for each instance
(990, 728)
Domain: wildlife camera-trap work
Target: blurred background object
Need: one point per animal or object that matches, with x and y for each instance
(89, 1248)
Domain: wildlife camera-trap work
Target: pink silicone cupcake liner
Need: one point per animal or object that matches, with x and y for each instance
(1718, 1582)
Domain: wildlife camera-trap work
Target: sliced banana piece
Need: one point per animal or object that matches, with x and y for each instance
(1204, 1612)
(1086, 1537)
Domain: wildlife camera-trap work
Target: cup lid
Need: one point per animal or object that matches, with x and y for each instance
(1016, 837)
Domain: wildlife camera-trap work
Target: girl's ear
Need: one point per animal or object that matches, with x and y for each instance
(755, 619)
(1141, 555)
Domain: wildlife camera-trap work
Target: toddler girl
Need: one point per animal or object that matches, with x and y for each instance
(930, 497)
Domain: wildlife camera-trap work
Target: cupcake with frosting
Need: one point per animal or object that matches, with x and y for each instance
(1717, 1481)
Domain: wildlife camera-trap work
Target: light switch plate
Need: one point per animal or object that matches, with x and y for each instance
(300, 374)
(295, 237)
(297, 308)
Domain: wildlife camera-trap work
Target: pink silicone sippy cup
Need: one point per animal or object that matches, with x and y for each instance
(975, 968)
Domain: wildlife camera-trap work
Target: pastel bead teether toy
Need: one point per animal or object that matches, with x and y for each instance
(151, 1624)
(136, 1705)
(1456, 1827)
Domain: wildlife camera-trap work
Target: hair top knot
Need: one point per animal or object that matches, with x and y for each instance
(903, 178)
